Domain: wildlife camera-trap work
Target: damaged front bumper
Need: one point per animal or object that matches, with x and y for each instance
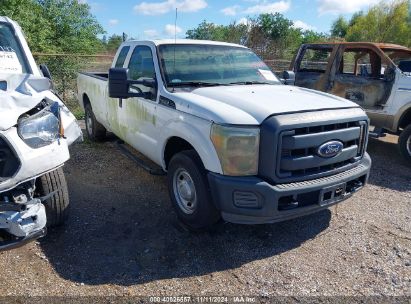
(22, 217)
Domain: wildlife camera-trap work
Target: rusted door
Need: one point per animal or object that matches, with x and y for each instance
(360, 74)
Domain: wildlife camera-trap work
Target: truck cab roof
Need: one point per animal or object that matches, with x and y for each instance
(389, 46)
(158, 42)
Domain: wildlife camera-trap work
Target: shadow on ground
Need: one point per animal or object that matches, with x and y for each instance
(389, 169)
(122, 229)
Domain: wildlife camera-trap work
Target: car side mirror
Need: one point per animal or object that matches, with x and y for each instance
(45, 71)
(288, 77)
(119, 84)
(389, 74)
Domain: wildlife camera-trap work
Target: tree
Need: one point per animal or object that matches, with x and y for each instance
(384, 22)
(35, 25)
(339, 27)
(113, 42)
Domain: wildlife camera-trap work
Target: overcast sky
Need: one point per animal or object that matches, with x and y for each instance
(155, 18)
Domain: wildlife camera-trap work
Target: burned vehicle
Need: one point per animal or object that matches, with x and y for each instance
(36, 129)
(376, 76)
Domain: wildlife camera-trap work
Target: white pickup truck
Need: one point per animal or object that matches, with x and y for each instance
(36, 129)
(234, 141)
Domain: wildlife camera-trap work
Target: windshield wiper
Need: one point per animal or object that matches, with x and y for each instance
(249, 82)
(195, 84)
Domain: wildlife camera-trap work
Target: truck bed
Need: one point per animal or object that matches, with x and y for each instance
(98, 75)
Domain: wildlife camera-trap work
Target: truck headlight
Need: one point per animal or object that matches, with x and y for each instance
(40, 129)
(237, 149)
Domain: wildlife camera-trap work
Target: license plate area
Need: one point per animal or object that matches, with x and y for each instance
(332, 194)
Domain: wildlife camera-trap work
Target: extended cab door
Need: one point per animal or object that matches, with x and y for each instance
(312, 66)
(361, 75)
(137, 116)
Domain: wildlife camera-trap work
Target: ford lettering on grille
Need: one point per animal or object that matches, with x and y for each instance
(330, 149)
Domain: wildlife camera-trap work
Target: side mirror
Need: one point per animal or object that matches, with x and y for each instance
(119, 84)
(45, 71)
(288, 77)
(389, 74)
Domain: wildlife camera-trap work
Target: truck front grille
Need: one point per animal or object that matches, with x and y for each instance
(298, 149)
(9, 163)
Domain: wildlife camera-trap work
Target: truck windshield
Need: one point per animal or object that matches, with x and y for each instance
(12, 59)
(211, 65)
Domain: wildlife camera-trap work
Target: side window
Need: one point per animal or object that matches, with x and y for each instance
(363, 63)
(315, 60)
(141, 63)
(122, 57)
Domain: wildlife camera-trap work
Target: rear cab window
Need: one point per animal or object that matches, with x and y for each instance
(362, 62)
(122, 57)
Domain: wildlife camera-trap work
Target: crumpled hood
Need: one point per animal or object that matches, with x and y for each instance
(248, 104)
(23, 92)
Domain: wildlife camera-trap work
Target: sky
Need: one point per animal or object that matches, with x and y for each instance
(152, 19)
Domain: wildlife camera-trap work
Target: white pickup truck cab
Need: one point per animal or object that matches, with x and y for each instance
(36, 129)
(235, 142)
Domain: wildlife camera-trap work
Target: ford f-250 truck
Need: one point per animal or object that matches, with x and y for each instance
(377, 76)
(35, 131)
(235, 142)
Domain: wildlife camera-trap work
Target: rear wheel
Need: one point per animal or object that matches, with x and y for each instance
(189, 191)
(95, 130)
(404, 143)
(53, 187)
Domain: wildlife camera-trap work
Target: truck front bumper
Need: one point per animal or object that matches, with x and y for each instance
(251, 200)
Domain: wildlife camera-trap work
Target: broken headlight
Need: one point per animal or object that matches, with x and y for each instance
(40, 129)
(237, 149)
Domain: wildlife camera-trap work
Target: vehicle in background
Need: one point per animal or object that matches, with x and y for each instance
(235, 142)
(376, 76)
(36, 129)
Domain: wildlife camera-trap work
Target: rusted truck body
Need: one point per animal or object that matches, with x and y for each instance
(376, 76)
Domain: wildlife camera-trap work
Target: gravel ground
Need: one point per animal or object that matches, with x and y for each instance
(123, 239)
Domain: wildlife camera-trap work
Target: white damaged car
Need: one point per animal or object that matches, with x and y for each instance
(36, 129)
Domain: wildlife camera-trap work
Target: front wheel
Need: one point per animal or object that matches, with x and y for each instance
(404, 143)
(53, 188)
(189, 191)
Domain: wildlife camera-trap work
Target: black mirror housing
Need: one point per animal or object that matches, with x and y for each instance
(118, 83)
(288, 77)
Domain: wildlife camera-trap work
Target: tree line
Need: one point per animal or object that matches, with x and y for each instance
(273, 36)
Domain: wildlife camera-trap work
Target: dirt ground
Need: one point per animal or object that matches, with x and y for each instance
(123, 239)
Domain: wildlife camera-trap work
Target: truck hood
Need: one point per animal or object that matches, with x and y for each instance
(252, 104)
(21, 93)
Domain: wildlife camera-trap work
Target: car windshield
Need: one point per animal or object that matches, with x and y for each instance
(401, 58)
(12, 59)
(211, 65)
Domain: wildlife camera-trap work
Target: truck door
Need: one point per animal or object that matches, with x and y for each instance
(137, 116)
(360, 75)
(312, 66)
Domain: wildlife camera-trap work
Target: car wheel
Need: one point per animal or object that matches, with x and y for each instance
(95, 131)
(53, 188)
(404, 143)
(189, 191)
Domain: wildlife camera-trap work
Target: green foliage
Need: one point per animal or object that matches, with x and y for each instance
(113, 42)
(270, 35)
(384, 22)
(339, 27)
(235, 33)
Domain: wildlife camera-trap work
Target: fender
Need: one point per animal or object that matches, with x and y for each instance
(400, 114)
(197, 133)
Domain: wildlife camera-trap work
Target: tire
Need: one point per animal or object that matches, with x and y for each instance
(187, 168)
(404, 143)
(95, 130)
(57, 206)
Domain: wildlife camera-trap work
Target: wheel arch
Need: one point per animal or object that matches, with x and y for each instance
(405, 118)
(177, 143)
